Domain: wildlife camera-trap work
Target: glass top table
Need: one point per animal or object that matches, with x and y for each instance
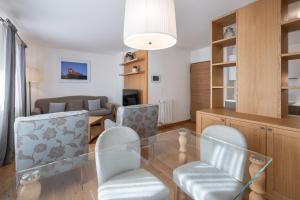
(176, 157)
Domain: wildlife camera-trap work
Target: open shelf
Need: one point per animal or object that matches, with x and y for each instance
(291, 88)
(224, 64)
(217, 87)
(226, 41)
(131, 73)
(222, 87)
(291, 25)
(291, 56)
(131, 61)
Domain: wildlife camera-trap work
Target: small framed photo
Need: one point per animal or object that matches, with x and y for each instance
(155, 78)
(74, 70)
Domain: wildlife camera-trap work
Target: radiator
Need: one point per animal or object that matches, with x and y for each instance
(165, 111)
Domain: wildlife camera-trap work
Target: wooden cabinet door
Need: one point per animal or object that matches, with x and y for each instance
(200, 87)
(283, 175)
(204, 121)
(258, 50)
(256, 135)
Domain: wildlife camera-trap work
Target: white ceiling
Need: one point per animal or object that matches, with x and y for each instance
(97, 25)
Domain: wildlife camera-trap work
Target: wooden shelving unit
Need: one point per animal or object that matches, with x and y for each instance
(217, 63)
(137, 80)
(131, 73)
(287, 26)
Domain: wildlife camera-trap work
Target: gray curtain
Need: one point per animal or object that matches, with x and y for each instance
(20, 93)
(23, 78)
(7, 111)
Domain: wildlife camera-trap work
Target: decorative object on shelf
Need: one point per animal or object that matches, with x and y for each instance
(258, 185)
(155, 78)
(135, 69)
(229, 32)
(129, 56)
(150, 24)
(74, 70)
(30, 187)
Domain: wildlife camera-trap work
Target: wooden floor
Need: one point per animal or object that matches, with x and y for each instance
(7, 176)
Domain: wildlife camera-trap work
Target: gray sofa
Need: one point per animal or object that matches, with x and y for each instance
(107, 109)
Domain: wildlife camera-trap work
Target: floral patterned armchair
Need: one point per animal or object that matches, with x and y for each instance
(141, 118)
(42, 139)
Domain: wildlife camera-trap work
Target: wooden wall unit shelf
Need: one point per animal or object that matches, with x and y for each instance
(217, 51)
(223, 87)
(131, 61)
(137, 80)
(291, 88)
(291, 25)
(291, 56)
(131, 73)
(225, 42)
(224, 64)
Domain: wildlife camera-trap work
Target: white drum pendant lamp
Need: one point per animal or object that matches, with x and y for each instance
(150, 24)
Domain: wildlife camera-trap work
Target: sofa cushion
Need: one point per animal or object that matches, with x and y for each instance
(94, 104)
(57, 107)
(100, 112)
(75, 105)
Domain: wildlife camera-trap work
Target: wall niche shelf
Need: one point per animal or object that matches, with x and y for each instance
(131, 73)
(291, 56)
(131, 61)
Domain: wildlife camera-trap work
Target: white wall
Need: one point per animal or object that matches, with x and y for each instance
(173, 65)
(200, 55)
(105, 69)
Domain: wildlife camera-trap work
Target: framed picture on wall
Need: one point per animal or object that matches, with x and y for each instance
(74, 70)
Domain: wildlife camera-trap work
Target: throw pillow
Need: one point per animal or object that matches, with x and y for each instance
(94, 104)
(57, 107)
(75, 105)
